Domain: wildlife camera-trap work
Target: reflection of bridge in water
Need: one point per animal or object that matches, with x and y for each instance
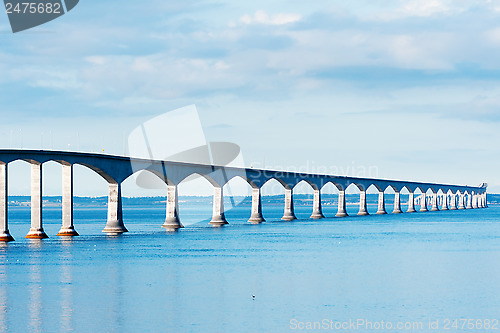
(116, 169)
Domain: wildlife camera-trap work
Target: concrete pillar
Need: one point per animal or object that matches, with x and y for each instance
(423, 202)
(474, 201)
(362, 203)
(485, 194)
(381, 203)
(469, 201)
(480, 201)
(411, 203)
(317, 211)
(36, 230)
(4, 226)
(453, 201)
(434, 200)
(397, 203)
(115, 225)
(341, 211)
(218, 217)
(256, 216)
(67, 228)
(461, 203)
(172, 221)
(444, 204)
(288, 214)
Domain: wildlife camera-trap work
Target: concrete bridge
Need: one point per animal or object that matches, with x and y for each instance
(116, 169)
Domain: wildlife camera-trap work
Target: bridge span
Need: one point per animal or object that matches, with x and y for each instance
(116, 169)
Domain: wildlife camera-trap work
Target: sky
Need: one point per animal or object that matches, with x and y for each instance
(403, 90)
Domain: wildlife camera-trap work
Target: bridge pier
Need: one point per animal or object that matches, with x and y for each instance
(461, 201)
(453, 201)
(288, 214)
(423, 202)
(67, 228)
(341, 211)
(114, 225)
(434, 200)
(362, 203)
(4, 227)
(172, 221)
(480, 201)
(485, 195)
(317, 211)
(256, 216)
(469, 201)
(444, 204)
(474, 201)
(397, 203)
(218, 217)
(36, 230)
(411, 203)
(381, 203)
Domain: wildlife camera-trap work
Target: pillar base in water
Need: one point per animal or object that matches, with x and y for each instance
(341, 214)
(172, 224)
(381, 212)
(114, 228)
(317, 216)
(434, 209)
(218, 221)
(423, 210)
(412, 210)
(6, 237)
(256, 219)
(36, 234)
(288, 217)
(363, 213)
(67, 232)
(444, 208)
(397, 211)
(453, 208)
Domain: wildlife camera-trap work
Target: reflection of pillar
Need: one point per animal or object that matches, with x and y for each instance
(461, 203)
(288, 214)
(35, 289)
(453, 201)
(362, 203)
(317, 211)
(469, 201)
(256, 216)
(115, 225)
(444, 204)
(67, 306)
(397, 203)
(381, 203)
(67, 228)
(4, 227)
(36, 230)
(434, 199)
(218, 217)
(411, 203)
(172, 221)
(423, 202)
(341, 211)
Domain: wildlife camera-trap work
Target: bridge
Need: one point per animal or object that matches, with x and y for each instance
(116, 169)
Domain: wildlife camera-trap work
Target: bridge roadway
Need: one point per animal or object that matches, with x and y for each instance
(116, 169)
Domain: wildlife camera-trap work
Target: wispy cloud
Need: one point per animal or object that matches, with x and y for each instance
(262, 17)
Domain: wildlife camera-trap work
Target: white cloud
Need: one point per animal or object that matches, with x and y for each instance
(262, 17)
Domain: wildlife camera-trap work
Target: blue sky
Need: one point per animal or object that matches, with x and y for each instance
(407, 88)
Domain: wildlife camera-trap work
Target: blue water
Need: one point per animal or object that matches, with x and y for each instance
(417, 267)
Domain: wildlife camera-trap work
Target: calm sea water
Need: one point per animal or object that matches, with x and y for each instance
(407, 268)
